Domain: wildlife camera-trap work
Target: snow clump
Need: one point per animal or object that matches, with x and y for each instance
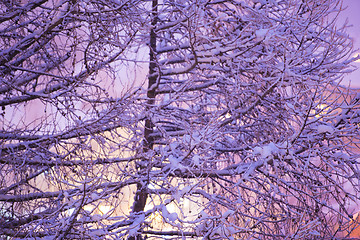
(325, 129)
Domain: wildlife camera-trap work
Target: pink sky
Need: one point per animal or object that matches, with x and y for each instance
(352, 13)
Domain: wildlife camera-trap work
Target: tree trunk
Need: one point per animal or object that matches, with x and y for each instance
(141, 194)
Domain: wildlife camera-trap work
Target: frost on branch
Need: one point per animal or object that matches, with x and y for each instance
(176, 119)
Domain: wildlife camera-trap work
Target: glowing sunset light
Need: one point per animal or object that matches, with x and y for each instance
(357, 55)
(105, 209)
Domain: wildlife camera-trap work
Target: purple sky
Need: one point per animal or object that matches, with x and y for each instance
(352, 13)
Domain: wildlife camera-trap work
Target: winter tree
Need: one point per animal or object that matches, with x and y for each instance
(199, 119)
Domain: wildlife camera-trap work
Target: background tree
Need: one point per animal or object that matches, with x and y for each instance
(177, 119)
